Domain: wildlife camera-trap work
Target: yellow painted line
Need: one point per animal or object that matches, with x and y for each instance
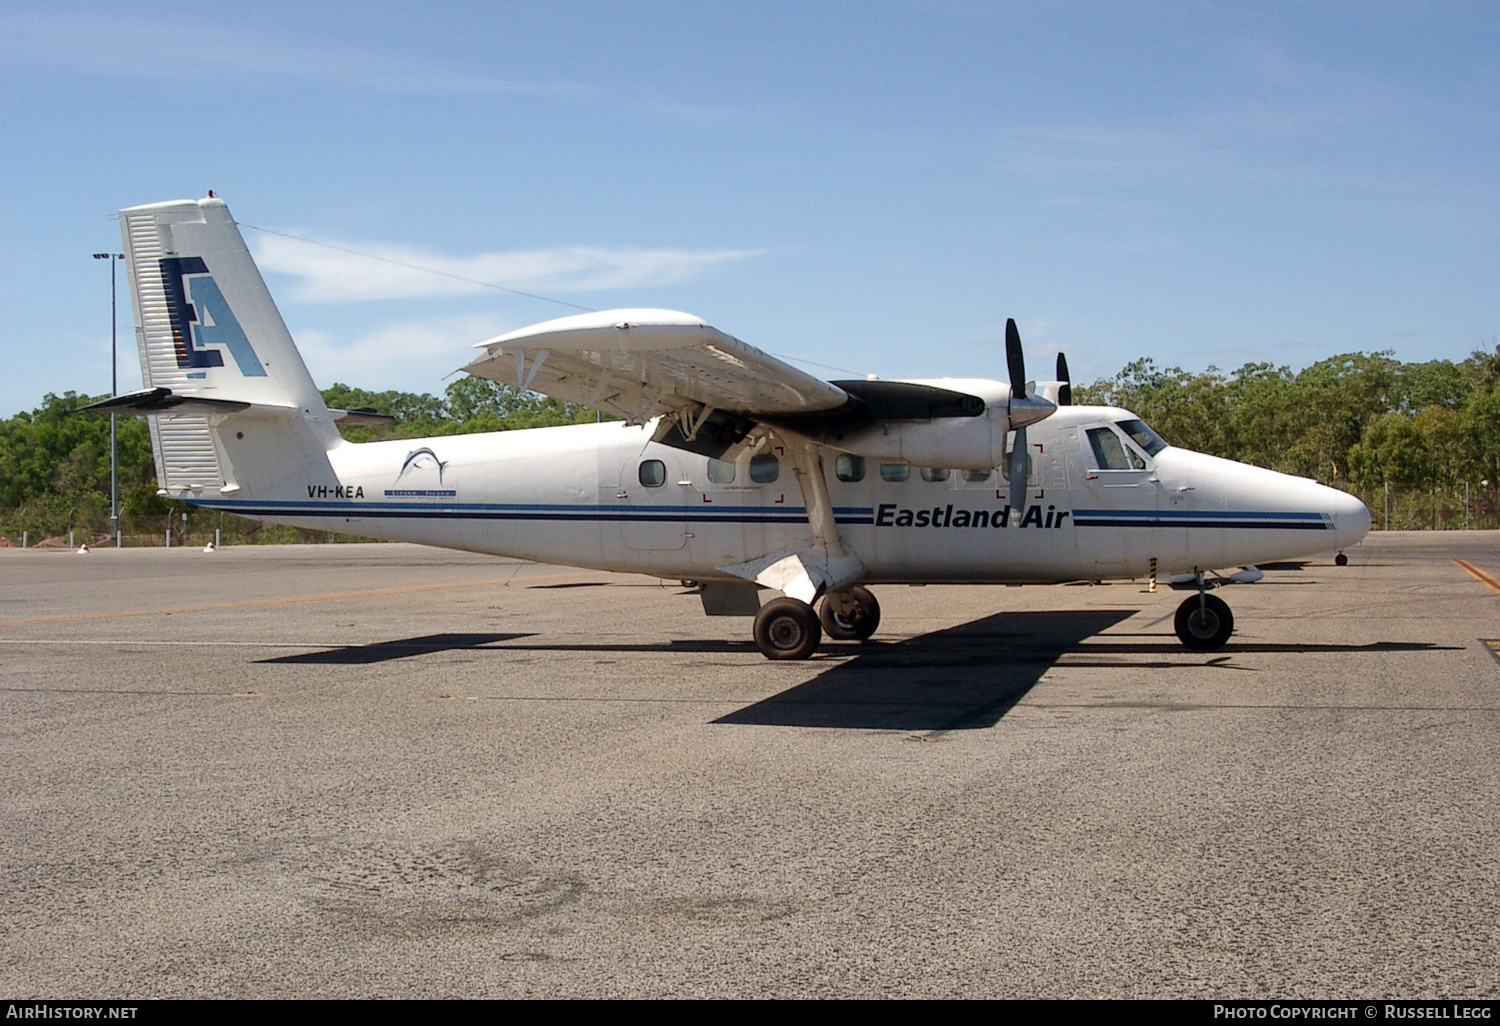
(338, 596)
(1493, 644)
(1479, 575)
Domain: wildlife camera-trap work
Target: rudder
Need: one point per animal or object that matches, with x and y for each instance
(207, 329)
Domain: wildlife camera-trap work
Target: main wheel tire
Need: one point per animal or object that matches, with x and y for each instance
(786, 628)
(857, 624)
(1204, 623)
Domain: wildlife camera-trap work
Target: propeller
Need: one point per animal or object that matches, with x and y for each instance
(1015, 466)
(1065, 388)
(1025, 408)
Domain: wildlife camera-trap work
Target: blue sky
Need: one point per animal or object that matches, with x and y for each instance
(870, 187)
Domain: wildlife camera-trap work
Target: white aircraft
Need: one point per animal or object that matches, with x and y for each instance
(731, 468)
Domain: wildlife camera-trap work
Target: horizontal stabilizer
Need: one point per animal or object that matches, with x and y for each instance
(362, 418)
(164, 400)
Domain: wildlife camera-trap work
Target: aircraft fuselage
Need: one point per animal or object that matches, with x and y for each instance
(604, 496)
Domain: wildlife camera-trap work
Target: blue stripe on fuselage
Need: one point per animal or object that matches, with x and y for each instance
(851, 515)
(537, 511)
(1264, 520)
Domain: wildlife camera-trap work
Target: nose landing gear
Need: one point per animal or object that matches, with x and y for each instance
(1203, 622)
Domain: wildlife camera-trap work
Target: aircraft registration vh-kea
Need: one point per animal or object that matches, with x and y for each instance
(730, 468)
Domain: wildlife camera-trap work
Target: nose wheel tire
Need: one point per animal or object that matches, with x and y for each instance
(786, 628)
(856, 622)
(1204, 622)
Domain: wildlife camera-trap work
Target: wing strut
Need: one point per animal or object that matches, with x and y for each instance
(807, 571)
(809, 467)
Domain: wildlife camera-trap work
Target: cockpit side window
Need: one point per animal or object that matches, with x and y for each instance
(1141, 434)
(1111, 452)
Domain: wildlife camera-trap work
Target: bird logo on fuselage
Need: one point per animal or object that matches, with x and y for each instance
(421, 459)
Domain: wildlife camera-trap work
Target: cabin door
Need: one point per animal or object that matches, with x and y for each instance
(651, 502)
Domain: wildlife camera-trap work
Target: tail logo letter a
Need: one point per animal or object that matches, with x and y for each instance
(201, 318)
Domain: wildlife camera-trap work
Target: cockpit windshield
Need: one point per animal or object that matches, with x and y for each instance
(1143, 436)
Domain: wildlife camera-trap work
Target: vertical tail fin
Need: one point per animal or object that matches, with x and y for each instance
(207, 329)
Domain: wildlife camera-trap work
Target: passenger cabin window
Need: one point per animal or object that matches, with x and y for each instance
(976, 475)
(653, 473)
(764, 469)
(934, 474)
(894, 472)
(1111, 452)
(849, 468)
(720, 472)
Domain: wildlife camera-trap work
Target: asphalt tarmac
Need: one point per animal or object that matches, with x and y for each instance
(389, 771)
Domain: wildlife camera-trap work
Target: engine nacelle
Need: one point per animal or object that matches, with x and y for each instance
(958, 443)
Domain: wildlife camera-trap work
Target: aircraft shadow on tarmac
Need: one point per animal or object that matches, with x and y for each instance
(968, 677)
(405, 648)
(962, 678)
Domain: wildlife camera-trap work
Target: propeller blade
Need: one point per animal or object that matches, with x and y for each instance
(1065, 390)
(1015, 471)
(1015, 358)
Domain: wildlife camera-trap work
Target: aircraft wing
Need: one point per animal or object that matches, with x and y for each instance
(640, 364)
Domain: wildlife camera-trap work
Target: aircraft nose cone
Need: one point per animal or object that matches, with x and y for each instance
(1351, 519)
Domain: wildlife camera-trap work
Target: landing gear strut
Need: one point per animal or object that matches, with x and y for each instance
(787, 628)
(850, 615)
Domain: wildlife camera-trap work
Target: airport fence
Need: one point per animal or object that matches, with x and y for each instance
(1473, 507)
(56, 526)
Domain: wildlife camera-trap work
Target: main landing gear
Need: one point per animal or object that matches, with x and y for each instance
(850, 615)
(787, 628)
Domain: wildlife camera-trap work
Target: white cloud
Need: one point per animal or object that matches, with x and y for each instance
(150, 46)
(413, 355)
(153, 46)
(366, 271)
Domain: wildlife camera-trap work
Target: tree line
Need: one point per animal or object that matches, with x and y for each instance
(1419, 442)
(54, 462)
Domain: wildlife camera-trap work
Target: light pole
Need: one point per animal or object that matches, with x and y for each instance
(114, 390)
